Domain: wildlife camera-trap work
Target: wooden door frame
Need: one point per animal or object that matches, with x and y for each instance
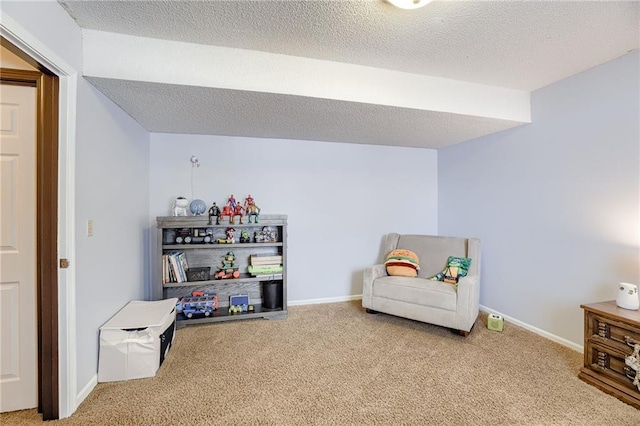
(47, 88)
(43, 54)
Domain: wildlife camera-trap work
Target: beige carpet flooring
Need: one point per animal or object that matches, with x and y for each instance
(334, 364)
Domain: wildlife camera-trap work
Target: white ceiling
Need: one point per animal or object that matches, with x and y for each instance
(515, 45)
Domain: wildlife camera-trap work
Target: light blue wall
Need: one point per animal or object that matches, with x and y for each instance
(112, 182)
(48, 22)
(340, 198)
(556, 202)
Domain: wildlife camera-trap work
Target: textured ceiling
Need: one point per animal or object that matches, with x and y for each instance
(514, 44)
(270, 115)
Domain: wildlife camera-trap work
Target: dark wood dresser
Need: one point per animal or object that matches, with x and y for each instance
(610, 334)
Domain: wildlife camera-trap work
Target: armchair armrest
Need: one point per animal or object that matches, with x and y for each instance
(468, 302)
(371, 273)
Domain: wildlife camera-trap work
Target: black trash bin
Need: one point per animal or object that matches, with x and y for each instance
(272, 295)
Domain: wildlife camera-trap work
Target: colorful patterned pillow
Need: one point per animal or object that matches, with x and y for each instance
(402, 263)
(457, 267)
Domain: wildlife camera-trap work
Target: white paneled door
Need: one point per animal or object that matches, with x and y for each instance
(18, 306)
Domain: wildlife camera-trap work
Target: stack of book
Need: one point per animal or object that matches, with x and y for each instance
(174, 267)
(266, 266)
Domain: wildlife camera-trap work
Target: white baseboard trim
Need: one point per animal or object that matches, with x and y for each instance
(86, 390)
(564, 342)
(325, 300)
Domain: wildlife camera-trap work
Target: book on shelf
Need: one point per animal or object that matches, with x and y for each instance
(184, 266)
(265, 259)
(265, 269)
(165, 271)
(269, 276)
(174, 267)
(168, 274)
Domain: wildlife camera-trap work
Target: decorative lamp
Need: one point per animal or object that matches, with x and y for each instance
(409, 4)
(628, 296)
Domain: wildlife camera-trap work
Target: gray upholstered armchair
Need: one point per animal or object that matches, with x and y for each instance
(419, 298)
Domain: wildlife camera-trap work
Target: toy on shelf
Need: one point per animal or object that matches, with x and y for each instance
(252, 211)
(239, 309)
(239, 304)
(193, 235)
(202, 235)
(228, 269)
(248, 201)
(230, 239)
(237, 211)
(267, 235)
(180, 207)
(244, 236)
(231, 202)
(183, 236)
(227, 211)
(214, 211)
(198, 304)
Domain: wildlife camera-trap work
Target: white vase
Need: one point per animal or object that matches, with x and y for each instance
(628, 296)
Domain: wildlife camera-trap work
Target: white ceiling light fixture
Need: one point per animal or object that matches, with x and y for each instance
(409, 4)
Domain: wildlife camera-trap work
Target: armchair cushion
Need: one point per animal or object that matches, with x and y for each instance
(418, 291)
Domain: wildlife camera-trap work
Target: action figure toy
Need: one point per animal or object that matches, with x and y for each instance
(227, 211)
(237, 211)
(214, 211)
(253, 210)
(232, 202)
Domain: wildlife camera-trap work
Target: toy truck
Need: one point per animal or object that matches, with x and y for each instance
(201, 305)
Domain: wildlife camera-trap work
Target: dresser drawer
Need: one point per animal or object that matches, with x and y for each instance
(609, 362)
(609, 331)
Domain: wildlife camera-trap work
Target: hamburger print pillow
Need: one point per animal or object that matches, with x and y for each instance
(402, 263)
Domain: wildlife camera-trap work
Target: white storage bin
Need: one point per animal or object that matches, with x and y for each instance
(135, 341)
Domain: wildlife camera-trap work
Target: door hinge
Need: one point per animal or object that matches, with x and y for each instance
(64, 263)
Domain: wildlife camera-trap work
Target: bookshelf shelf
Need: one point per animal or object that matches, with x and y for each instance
(243, 278)
(267, 293)
(216, 246)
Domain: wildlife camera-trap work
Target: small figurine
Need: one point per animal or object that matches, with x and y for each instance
(248, 201)
(180, 207)
(253, 210)
(227, 211)
(214, 211)
(244, 236)
(232, 202)
(237, 211)
(228, 269)
(266, 235)
(230, 237)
